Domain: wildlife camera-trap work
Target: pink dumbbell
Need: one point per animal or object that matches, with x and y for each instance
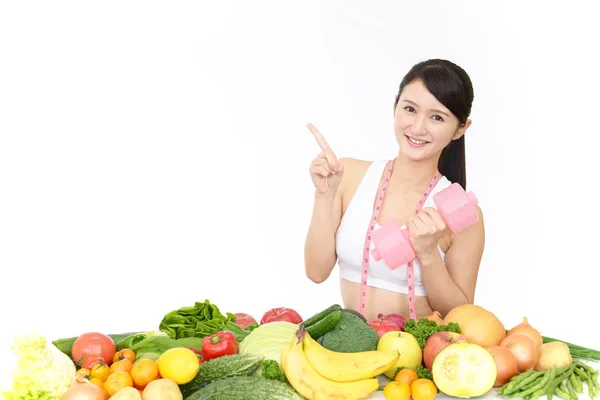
(457, 209)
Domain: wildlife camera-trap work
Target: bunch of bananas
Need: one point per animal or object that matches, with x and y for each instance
(318, 373)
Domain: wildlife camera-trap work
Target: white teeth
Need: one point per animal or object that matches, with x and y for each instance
(416, 141)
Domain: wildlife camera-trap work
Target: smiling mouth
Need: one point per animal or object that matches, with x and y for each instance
(415, 141)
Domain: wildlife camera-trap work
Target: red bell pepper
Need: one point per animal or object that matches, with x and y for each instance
(198, 354)
(219, 344)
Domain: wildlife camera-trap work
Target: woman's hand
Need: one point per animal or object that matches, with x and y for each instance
(325, 170)
(426, 229)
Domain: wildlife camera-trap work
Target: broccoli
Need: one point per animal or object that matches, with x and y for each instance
(351, 335)
(272, 370)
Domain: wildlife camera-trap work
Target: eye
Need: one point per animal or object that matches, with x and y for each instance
(438, 118)
(409, 109)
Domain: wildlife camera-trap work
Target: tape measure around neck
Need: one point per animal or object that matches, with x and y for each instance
(367, 248)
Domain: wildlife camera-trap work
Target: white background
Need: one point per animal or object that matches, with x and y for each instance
(156, 154)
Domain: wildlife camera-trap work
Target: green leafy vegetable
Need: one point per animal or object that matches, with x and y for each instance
(40, 371)
(423, 372)
(268, 340)
(272, 370)
(423, 328)
(160, 344)
(201, 320)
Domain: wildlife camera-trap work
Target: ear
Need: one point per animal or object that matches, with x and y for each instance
(462, 129)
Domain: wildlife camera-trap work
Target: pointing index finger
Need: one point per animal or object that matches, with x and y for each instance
(319, 138)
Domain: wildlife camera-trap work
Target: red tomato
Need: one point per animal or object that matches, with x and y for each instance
(243, 320)
(94, 343)
(89, 360)
(281, 314)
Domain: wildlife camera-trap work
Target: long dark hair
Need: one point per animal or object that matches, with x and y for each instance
(452, 87)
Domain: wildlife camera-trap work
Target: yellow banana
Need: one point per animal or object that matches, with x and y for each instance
(307, 381)
(347, 367)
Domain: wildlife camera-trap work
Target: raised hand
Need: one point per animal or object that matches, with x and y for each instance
(325, 170)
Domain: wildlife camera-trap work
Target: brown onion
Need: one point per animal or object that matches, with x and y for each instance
(524, 350)
(525, 329)
(506, 364)
(82, 389)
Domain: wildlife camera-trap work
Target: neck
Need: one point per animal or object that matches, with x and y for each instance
(413, 175)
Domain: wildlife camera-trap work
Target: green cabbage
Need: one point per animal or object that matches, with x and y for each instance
(40, 371)
(268, 339)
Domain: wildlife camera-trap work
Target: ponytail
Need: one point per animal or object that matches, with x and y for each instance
(452, 162)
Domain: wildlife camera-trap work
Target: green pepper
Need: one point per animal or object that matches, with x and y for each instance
(239, 333)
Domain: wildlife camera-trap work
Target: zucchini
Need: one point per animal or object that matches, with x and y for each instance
(227, 366)
(320, 315)
(66, 344)
(246, 388)
(327, 324)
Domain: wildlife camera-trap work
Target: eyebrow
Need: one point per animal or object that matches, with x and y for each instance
(436, 110)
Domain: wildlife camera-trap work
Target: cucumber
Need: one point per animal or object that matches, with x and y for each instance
(327, 324)
(246, 388)
(66, 344)
(227, 366)
(320, 315)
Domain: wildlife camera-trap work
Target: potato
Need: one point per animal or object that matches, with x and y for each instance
(127, 393)
(553, 353)
(162, 389)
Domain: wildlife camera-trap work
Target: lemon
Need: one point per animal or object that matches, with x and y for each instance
(178, 364)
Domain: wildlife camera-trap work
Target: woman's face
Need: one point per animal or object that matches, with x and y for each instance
(423, 126)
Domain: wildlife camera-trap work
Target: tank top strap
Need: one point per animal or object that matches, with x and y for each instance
(367, 190)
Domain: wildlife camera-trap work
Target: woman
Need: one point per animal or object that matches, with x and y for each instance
(431, 114)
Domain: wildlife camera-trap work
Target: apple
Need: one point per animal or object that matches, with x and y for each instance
(407, 346)
(397, 319)
(437, 342)
(243, 320)
(281, 314)
(382, 326)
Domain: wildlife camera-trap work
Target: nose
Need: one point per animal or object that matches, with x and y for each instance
(417, 127)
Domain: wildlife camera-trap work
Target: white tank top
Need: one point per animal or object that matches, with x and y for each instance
(350, 238)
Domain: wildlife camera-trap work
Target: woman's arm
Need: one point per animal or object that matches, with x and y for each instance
(453, 283)
(319, 249)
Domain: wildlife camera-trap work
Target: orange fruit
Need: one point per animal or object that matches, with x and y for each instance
(121, 365)
(124, 354)
(117, 381)
(144, 372)
(396, 391)
(98, 382)
(423, 389)
(83, 373)
(100, 371)
(407, 376)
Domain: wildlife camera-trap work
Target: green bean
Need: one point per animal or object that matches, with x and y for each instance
(547, 377)
(518, 384)
(559, 379)
(576, 382)
(594, 381)
(561, 393)
(571, 390)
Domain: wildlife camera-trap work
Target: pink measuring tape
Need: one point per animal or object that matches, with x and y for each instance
(367, 249)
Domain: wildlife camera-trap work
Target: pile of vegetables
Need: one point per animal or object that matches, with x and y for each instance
(233, 355)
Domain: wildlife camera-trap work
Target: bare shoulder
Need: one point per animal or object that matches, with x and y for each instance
(354, 172)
